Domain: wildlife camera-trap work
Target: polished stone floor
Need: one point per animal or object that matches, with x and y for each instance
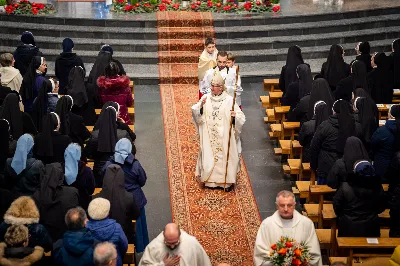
(98, 10)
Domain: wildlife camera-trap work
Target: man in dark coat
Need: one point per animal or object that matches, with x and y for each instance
(393, 195)
(77, 245)
(25, 51)
(65, 62)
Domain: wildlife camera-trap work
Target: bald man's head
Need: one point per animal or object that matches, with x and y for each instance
(172, 234)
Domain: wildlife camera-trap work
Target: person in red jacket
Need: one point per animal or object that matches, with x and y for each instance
(113, 87)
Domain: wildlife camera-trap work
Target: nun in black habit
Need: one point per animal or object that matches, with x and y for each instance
(320, 91)
(50, 144)
(364, 51)
(330, 137)
(288, 72)
(357, 79)
(25, 51)
(101, 145)
(307, 130)
(354, 151)
(65, 62)
(335, 69)
(103, 59)
(20, 122)
(5, 145)
(71, 125)
(54, 200)
(395, 61)
(380, 80)
(40, 104)
(123, 208)
(83, 94)
(108, 48)
(366, 114)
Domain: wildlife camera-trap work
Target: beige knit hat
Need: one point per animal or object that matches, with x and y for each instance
(99, 209)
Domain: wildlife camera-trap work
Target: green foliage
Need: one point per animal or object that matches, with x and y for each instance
(3, 2)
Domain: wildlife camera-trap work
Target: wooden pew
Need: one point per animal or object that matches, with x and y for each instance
(271, 84)
(320, 191)
(90, 128)
(97, 190)
(383, 110)
(280, 113)
(357, 243)
(131, 113)
(270, 118)
(289, 129)
(132, 86)
(305, 171)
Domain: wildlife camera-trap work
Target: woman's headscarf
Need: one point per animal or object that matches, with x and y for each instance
(384, 81)
(63, 107)
(320, 91)
(27, 38)
(335, 66)
(45, 143)
(67, 45)
(107, 48)
(359, 92)
(107, 126)
(321, 112)
(364, 176)
(4, 141)
(41, 103)
(354, 151)
(305, 79)
(114, 190)
(367, 115)
(72, 155)
(24, 147)
(29, 79)
(359, 73)
(10, 111)
(76, 86)
(293, 59)
(347, 125)
(105, 105)
(98, 69)
(122, 149)
(51, 181)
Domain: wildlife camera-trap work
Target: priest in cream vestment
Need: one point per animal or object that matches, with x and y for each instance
(174, 246)
(212, 117)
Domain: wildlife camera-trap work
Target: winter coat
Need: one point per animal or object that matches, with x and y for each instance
(26, 183)
(109, 230)
(10, 77)
(60, 143)
(323, 146)
(291, 96)
(23, 56)
(77, 129)
(395, 259)
(357, 210)
(306, 135)
(63, 65)
(135, 178)
(337, 175)
(382, 146)
(116, 90)
(379, 93)
(74, 249)
(393, 195)
(100, 158)
(52, 99)
(21, 256)
(28, 104)
(366, 59)
(4, 91)
(299, 113)
(85, 184)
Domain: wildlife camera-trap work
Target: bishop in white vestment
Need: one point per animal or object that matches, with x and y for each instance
(174, 247)
(212, 117)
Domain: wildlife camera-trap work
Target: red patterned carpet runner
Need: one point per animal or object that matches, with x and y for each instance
(225, 223)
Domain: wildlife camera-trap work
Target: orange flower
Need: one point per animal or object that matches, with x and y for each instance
(282, 251)
(297, 252)
(296, 262)
(273, 247)
(288, 244)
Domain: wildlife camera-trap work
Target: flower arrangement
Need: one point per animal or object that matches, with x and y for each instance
(148, 6)
(287, 252)
(24, 7)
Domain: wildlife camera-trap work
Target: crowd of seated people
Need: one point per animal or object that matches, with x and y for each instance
(342, 138)
(51, 163)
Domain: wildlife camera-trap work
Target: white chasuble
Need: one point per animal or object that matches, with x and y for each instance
(189, 249)
(213, 125)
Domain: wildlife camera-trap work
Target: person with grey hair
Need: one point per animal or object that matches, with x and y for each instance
(10, 76)
(105, 254)
(286, 221)
(77, 245)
